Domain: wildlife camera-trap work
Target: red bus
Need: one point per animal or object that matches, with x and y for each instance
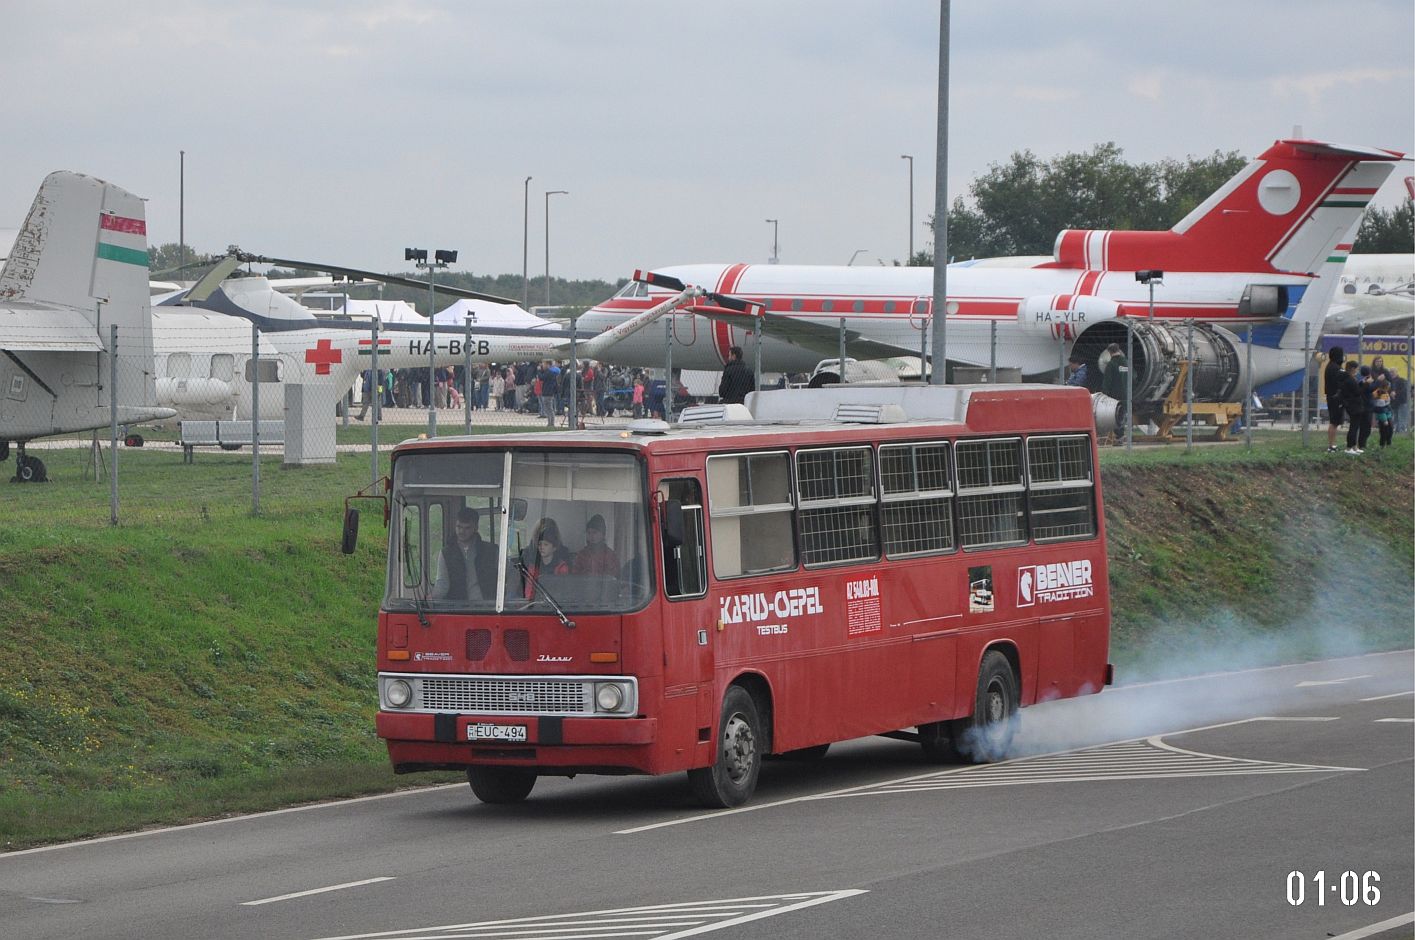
(830, 564)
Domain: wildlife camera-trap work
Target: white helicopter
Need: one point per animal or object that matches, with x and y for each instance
(77, 268)
(202, 340)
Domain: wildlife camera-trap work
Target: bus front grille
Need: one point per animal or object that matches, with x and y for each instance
(506, 696)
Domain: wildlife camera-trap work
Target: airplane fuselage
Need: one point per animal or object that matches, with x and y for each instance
(1032, 313)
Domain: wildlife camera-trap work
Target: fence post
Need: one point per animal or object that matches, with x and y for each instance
(842, 351)
(757, 350)
(1189, 393)
(255, 420)
(668, 374)
(468, 385)
(572, 407)
(1248, 394)
(1306, 376)
(113, 422)
(376, 387)
(992, 352)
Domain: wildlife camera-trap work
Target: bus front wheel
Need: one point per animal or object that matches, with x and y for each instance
(733, 775)
(500, 784)
(986, 735)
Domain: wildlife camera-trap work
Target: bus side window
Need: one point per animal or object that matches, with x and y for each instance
(752, 512)
(684, 560)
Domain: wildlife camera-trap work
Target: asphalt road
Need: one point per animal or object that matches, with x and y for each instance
(1176, 809)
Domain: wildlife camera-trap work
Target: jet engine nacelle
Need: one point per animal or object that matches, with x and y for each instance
(1064, 315)
(1160, 349)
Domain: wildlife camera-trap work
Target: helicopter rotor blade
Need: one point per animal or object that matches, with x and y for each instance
(399, 280)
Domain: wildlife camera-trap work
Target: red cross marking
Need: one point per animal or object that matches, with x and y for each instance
(323, 355)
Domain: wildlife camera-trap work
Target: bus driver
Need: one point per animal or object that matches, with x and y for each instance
(466, 569)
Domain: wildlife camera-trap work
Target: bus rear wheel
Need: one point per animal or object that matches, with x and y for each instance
(732, 777)
(500, 784)
(986, 735)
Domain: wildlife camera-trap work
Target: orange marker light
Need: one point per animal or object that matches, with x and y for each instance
(604, 657)
(399, 654)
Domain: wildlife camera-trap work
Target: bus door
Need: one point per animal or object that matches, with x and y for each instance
(689, 625)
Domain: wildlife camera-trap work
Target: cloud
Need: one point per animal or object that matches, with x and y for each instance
(1315, 87)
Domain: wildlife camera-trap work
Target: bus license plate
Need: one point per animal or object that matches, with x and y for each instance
(483, 731)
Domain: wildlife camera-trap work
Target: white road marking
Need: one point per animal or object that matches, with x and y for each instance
(1405, 720)
(924, 780)
(1401, 920)
(1307, 683)
(56, 900)
(228, 819)
(1125, 687)
(660, 921)
(1150, 759)
(301, 894)
(1378, 698)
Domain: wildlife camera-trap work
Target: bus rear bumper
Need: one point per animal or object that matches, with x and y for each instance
(449, 741)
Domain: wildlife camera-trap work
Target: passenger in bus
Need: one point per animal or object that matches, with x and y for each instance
(466, 569)
(547, 555)
(596, 558)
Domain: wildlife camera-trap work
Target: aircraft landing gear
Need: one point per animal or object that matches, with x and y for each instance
(28, 469)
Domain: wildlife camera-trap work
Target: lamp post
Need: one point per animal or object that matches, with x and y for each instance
(910, 157)
(1150, 278)
(441, 258)
(525, 246)
(553, 192)
(774, 256)
(182, 213)
(941, 304)
(858, 252)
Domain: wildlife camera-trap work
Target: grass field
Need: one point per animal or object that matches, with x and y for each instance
(197, 660)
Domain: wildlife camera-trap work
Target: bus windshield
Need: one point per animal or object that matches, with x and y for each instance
(518, 532)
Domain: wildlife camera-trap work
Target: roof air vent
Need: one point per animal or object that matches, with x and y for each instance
(860, 413)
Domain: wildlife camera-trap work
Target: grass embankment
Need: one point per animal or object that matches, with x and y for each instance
(196, 661)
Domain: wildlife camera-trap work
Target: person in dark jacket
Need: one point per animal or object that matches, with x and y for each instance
(1353, 399)
(1332, 378)
(1113, 383)
(736, 381)
(466, 570)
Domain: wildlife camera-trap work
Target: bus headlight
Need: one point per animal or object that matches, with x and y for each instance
(398, 693)
(609, 696)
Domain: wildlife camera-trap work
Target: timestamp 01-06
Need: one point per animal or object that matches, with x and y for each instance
(1350, 887)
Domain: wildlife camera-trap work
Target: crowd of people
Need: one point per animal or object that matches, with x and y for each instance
(1363, 397)
(542, 388)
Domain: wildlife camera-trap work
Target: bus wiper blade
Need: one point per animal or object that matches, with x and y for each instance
(540, 589)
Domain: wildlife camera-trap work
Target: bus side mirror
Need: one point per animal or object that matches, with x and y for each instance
(518, 510)
(351, 531)
(672, 523)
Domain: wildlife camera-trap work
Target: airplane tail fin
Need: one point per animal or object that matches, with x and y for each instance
(83, 241)
(84, 246)
(1284, 212)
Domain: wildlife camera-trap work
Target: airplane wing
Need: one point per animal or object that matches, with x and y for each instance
(818, 337)
(36, 328)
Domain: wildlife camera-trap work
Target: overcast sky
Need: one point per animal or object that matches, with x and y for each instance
(346, 131)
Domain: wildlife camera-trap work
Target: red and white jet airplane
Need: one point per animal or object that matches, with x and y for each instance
(1265, 249)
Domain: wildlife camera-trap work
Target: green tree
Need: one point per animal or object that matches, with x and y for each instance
(1018, 207)
(1387, 231)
